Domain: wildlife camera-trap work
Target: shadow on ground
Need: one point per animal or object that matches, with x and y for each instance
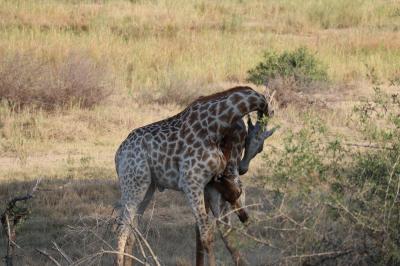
(77, 214)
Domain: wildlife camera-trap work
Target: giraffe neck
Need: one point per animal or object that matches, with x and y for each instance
(244, 164)
(220, 111)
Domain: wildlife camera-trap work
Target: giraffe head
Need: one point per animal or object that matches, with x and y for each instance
(254, 142)
(229, 184)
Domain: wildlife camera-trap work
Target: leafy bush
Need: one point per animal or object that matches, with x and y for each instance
(28, 80)
(299, 64)
(341, 200)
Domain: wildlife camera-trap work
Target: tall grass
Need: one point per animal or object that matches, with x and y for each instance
(171, 51)
(27, 80)
(206, 41)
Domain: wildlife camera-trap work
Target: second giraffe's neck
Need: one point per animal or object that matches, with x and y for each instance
(222, 110)
(244, 165)
(237, 105)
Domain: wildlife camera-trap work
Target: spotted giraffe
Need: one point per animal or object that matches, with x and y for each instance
(228, 188)
(181, 153)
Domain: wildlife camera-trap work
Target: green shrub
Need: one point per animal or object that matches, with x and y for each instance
(299, 64)
(342, 197)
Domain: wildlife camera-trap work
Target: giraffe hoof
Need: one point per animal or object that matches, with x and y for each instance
(243, 216)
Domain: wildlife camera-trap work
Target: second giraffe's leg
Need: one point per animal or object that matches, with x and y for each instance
(141, 209)
(205, 226)
(220, 208)
(237, 258)
(199, 245)
(133, 190)
(199, 249)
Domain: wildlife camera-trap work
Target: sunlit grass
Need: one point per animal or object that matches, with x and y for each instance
(158, 49)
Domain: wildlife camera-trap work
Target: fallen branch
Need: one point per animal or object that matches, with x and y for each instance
(369, 146)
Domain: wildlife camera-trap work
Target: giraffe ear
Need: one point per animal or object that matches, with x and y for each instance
(268, 133)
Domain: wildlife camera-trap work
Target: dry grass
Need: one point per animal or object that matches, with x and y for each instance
(207, 42)
(77, 80)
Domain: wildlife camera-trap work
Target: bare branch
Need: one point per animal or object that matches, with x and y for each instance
(44, 253)
(11, 217)
(148, 246)
(102, 252)
(63, 254)
(237, 209)
(243, 232)
(29, 195)
(332, 254)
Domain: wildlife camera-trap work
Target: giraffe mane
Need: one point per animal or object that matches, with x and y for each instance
(221, 94)
(207, 98)
(211, 97)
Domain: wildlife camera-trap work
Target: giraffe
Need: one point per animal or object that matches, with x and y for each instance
(228, 187)
(218, 194)
(181, 153)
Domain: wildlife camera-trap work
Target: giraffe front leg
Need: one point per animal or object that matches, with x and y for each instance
(205, 226)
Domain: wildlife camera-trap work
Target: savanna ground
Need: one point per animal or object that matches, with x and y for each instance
(77, 76)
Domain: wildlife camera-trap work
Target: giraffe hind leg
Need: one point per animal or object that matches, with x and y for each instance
(129, 250)
(141, 209)
(133, 190)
